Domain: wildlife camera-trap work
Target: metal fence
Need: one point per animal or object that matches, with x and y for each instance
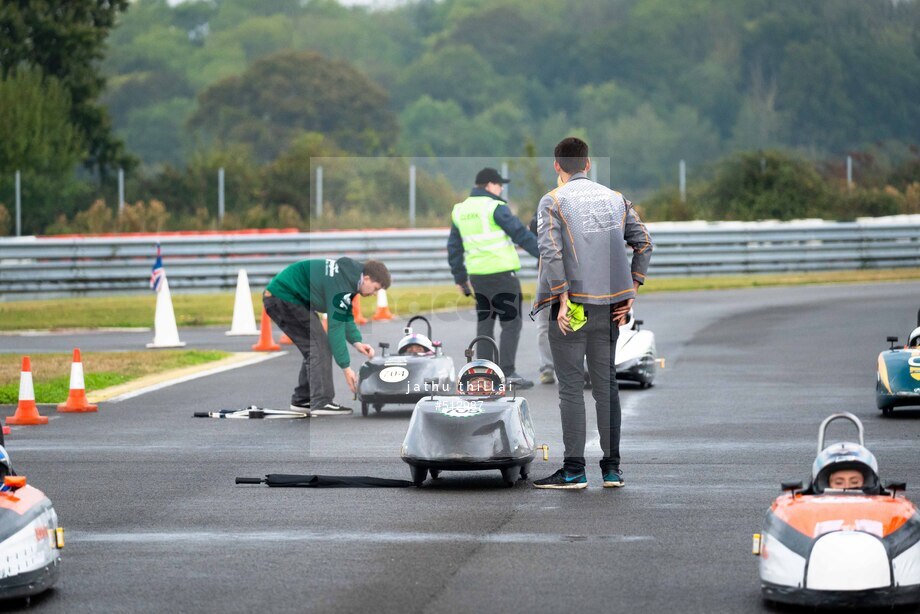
(74, 266)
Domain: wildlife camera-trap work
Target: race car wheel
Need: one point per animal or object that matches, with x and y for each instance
(525, 471)
(418, 474)
(887, 411)
(435, 473)
(378, 407)
(510, 475)
(364, 408)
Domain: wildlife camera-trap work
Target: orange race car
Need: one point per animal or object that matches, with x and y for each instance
(845, 540)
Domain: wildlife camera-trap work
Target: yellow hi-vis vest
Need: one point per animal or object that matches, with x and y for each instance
(487, 248)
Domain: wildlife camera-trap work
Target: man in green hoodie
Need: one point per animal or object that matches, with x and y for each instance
(292, 300)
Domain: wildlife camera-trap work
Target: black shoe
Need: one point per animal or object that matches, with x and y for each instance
(563, 480)
(304, 407)
(330, 409)
(613, 478)
(519, 382)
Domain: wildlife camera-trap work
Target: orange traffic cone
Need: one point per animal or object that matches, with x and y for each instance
(356, 310)
(285, 340)
(26, 411)
(383, 307)
(76, 400)
(266, 340)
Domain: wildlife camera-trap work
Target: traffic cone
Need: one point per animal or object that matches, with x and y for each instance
(26, 410)
(356, 310)
(383, 307)
(285, 340)
(165, 332)
(76, 400)
(266, 340)
(244, 318)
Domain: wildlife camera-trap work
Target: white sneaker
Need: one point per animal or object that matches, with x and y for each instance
(331, 409)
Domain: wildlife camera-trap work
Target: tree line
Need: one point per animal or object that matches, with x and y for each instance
(171, 92)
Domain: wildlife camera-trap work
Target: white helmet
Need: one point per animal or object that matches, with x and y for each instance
(414, 338)
(913, 340)
(842, 456)
(482, 368)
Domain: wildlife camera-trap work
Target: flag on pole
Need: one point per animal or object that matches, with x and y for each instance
(158, 274)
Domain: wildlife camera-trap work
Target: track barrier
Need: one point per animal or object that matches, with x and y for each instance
(383, 307)
(26, 410)
(76, 399)
(165, 332)
(244, 317)
(266, 341)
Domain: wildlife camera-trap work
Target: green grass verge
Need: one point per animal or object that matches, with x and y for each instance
(217, 309)
(51, 372)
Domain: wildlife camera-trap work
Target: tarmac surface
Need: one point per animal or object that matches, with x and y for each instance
(155, 522)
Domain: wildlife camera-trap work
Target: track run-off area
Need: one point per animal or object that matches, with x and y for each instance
(154, 520)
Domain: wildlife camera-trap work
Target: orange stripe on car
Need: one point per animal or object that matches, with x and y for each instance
(20, 500)
(805, 513)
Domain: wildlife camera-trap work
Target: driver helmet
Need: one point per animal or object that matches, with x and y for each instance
(482, 368)
(6, 468)
(842, 456)
(414, 338)
(913, 340)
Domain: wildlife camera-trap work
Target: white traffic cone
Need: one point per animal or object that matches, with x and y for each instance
(165, 332)
(244, 317)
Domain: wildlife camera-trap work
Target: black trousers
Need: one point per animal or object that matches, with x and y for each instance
(305, 329)
(596, 341)
(498, 296)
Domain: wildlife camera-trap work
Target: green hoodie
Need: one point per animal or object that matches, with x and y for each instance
(324, 285)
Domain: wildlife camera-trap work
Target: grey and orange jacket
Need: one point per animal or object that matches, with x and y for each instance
(582, 232)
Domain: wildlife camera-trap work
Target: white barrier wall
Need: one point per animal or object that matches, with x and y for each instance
(86, 265)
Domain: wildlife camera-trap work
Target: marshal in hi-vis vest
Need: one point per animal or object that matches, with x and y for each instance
(487, 248)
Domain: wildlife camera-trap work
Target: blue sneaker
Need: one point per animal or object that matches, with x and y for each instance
(613, 479)
(563, 480)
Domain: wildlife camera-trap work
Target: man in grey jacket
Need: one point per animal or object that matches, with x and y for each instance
(588, 282)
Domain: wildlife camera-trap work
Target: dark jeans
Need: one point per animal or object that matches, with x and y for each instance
(305, 329)
(596, 340)
(498, 296)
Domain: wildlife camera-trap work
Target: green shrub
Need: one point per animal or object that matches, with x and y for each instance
(766, 185)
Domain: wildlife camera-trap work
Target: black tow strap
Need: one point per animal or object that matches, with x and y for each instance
(325, 481)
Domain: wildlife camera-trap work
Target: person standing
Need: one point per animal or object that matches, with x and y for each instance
(588, 283)
(481, 253)
(293, 299)
(547, 371)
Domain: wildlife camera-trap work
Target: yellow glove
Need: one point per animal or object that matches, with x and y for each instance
(577, 317)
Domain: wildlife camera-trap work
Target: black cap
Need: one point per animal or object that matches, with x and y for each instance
(489, 175)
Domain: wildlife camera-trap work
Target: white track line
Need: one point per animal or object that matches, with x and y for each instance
(211, 537)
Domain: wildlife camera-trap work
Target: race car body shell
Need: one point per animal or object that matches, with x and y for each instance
(466, 433)
(636, 355)
(898, 381)
(404, 379)
(841, 549)
(30, 559)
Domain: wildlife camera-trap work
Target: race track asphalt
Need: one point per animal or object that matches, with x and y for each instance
(155, 523)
